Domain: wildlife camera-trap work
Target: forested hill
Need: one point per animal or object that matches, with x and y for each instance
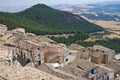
(41, 19)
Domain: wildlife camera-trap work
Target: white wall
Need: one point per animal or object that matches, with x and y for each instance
(70, 57)
(111, 75)
(111, 54)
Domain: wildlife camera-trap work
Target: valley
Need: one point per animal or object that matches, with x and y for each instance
(110, 26)
(104, 14)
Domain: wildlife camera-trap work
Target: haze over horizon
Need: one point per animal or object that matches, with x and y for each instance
(20, 5)
(47, 2)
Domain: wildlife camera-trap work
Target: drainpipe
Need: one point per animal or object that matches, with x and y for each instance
(11, 59)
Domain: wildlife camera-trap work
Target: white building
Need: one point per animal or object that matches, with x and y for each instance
(117, 57)
(70, 57)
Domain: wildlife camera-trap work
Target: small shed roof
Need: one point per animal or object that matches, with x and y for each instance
(114, 66)
(22, 30)
(86, 65)
(96, 54)
(51, 53)
(99, 47)
(75, 47)
(2, 26)
(45, 39)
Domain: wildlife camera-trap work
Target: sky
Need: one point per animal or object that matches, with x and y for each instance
(47, 2)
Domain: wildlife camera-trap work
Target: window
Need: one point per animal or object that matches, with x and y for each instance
(70, 53)
(66, 59)
(83, 50)
(97, 50)
(57, 61)
(103, 51)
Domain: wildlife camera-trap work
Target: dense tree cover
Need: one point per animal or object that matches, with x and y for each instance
(110, 43)
(41, 19)
(79, 36)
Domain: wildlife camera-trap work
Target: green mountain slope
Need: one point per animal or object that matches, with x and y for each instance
(41, 19)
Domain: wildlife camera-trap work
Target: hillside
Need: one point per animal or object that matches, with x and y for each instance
(41, 19)
(106, 7)
(98, 11)
(101, 16)
(100, 7)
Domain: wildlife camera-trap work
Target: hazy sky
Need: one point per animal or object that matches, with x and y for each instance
(48, 2)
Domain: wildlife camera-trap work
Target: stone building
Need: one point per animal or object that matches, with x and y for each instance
(52, 57)
(99, 58)
(82, 52)
(89, 71)
(3, 29)
(104, 50)
(101, 55)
